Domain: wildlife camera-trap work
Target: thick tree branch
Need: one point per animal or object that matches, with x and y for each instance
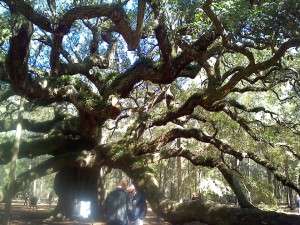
(25, 9)
(220, 145)
(243, 123)
(208, 101)
(232, 179)
(58, 124)
(295, 42)
(47, 41)
(213, 17)
(113, 11)
(228, 174)
(289, 149)
(52, 145)
(23, 84)
(254, 68)
(140, 19)
(250, 89)
(161, 33)
(18, 53)
(47, 167)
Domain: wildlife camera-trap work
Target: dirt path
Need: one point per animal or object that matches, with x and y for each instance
(21, 215)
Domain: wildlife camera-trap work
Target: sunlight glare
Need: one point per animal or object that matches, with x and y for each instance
(85, 209)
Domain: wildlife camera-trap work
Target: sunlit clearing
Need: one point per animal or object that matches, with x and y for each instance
(214, 186)
(85, 209)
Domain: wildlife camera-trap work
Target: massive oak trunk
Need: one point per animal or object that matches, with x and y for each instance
(75, 184)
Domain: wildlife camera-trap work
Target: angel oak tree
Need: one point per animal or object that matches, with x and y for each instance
(118, 74)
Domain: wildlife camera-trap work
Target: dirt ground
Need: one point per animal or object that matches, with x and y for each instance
(21, 215)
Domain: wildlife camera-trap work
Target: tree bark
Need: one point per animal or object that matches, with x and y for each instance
(13, 166)
(179, 172)
(276, 189)
(236, 186)
(75, 184)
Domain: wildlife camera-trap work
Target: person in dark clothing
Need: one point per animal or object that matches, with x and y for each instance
(137, 206)
(116, 205)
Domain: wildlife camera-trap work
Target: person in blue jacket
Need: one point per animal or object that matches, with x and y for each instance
(116, 205)
(137, 206)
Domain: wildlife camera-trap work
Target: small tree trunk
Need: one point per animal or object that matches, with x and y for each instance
(289, 193)
(276, 189)
(173, 189)
(248, 168)
(42, 187)
(34, 192)
(13, 167)
(195, 173)
(179, 172)
(189, 171)
(164, 178)
(291, 198)
(270, 183)
(160, 177)
(101, 186)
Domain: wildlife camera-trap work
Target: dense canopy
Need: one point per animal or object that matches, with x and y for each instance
(128, 84)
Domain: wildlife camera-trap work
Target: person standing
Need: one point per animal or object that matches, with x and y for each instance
(116, 205)
(137, 206)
